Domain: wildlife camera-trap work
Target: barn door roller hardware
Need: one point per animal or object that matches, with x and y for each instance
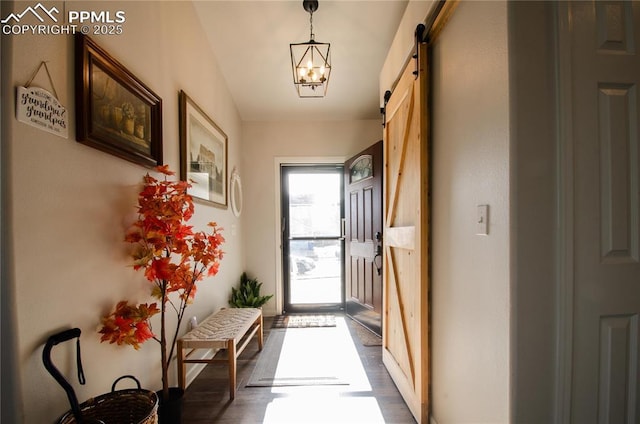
(383, 109)
(419, 36)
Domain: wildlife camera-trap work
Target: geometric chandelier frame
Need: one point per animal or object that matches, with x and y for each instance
(311, 61)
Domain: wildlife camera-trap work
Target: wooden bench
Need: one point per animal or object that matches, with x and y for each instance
(231, 329)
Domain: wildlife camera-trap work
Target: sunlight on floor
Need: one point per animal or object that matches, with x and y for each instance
(324, 409)
(326, 352)
(323, 352)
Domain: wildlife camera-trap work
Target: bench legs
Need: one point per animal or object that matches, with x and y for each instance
(233, 363)
(232, 352)
(260, 322)
(182, 366)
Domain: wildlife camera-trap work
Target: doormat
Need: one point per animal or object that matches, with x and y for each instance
(366, 336)
(304, 321)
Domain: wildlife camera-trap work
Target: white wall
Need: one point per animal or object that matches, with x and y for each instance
(67, 204)
(470, 275)
(263, 143)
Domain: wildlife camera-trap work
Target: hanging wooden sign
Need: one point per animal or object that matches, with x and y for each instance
(38, 107)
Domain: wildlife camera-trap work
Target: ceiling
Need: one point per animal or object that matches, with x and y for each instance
(250, 40)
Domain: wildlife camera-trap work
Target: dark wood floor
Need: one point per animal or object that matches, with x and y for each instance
(207, 398)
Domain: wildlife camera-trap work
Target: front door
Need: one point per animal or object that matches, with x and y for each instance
(405, 334)
(363, 241)
(312, 238)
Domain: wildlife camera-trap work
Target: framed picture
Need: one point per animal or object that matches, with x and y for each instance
(115, 111)
(203, 153)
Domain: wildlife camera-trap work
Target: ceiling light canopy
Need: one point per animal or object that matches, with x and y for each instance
(310, 61)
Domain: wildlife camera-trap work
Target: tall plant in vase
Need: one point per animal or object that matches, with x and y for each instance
(173, 258)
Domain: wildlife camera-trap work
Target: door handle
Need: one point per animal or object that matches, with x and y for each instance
(378, 237)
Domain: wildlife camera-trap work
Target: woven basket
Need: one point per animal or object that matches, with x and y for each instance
(129, 406)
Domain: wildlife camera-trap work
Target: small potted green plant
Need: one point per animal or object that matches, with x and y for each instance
(248, 294)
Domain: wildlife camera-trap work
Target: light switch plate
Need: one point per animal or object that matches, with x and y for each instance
(482, 220)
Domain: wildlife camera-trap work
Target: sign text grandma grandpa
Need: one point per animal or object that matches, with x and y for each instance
(39, 108)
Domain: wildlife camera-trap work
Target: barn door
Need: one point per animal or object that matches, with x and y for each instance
(406, 233)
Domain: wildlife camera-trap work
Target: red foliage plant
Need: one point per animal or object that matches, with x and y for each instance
(173, 257)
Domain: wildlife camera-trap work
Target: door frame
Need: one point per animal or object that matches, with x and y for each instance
(564, 214)
(278, 161)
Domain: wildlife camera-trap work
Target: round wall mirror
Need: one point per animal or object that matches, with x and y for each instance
(236, 193)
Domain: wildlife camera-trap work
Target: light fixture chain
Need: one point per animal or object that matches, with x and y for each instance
(311, 34)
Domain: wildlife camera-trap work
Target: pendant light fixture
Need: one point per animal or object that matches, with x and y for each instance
(310, 61)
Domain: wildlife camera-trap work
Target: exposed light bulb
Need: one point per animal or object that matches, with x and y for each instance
(322, 70)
